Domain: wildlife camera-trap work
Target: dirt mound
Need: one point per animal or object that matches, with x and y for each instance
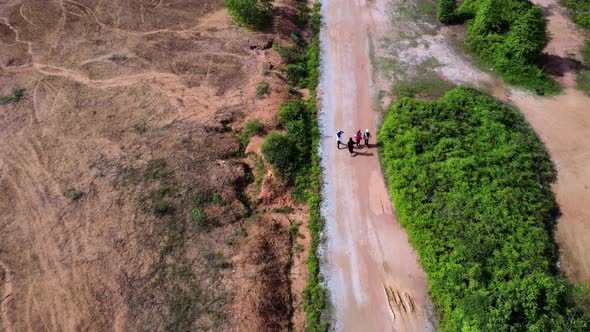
(121, 186)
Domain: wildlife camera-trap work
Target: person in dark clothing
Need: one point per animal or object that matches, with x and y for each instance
(350, 146)
(367, 135)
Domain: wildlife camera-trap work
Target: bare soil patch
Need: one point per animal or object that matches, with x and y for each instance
(123, 194)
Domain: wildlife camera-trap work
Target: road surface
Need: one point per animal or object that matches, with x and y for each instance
(373, 275)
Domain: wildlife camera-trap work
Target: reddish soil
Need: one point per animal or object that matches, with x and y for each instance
(121, 196)
(373, 275)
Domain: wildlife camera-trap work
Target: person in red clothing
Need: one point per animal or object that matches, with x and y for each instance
(358, 138)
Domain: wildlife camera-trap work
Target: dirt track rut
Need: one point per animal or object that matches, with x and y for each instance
(373, 275)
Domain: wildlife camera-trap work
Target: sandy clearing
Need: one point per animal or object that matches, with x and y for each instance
(373, 275)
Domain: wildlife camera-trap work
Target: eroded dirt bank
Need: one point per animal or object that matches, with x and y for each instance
(373, 275)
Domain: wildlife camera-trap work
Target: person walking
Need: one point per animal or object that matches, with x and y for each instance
(339, 135)
(367, 135)
(350, 146)
(358, 138)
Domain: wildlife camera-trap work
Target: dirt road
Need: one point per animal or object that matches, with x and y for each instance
(373, 275)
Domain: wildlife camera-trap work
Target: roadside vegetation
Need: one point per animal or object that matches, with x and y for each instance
(251, 128)
(580, 11)
(508, 35)
(251, 13)
(294, 153)
(471, 184)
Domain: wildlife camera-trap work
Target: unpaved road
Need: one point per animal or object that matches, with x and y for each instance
(373, 275)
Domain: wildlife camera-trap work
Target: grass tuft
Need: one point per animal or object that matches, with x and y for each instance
(262, 89)
(17, 95)
(74, 194)
(118, 57)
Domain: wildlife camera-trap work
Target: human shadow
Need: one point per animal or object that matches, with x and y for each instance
(372, 146)
(368, 154)
(558, 66)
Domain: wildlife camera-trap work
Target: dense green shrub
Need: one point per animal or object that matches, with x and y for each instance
(292, 111)
(510, 36)
(301, 58)
(280, 151)
(253, 13)
(580, 10)
(253, 127)
(583, 82)
(471, 184)
(291, 152)
(446, 10)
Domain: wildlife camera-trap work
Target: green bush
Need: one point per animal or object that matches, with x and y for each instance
(586, 53)
(580, 10)
(280, 151)
(251, 128)
(290, 152)
(253, 13)
(289, 54)
(301, 58)
(293, 110)
(583, 82)
(446, 10)
(471, 183)
(510, 36)
(296, 73)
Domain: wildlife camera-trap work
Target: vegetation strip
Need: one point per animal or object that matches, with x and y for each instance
(294, 154)
(580, 11)
(471, 184)
(508, 35)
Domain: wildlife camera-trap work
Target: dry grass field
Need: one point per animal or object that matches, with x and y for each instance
(126, 201)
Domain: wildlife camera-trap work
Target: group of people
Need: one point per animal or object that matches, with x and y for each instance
(356, 140)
